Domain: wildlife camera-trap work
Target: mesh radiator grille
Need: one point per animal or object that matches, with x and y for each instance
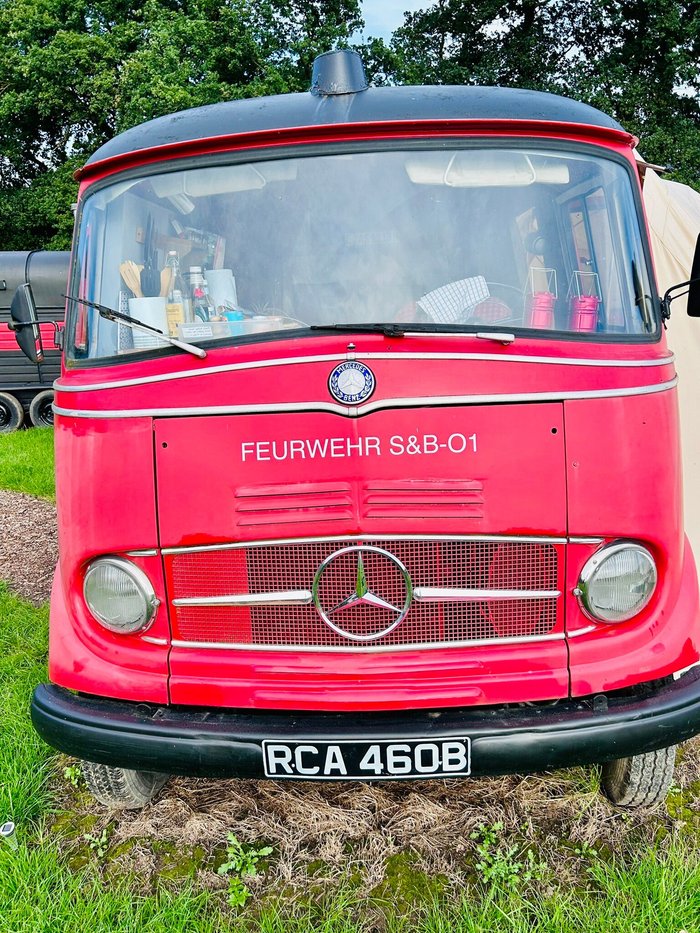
(444, 564)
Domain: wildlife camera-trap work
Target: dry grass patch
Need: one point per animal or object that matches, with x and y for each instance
(327, 834)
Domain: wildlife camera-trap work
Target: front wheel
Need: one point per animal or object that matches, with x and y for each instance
(640, 780)
(121, 788)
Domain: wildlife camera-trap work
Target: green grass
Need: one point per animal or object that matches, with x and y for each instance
(23, 756)
(26, 462)
(38, 894)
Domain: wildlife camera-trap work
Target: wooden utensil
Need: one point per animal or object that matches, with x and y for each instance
(131, 273)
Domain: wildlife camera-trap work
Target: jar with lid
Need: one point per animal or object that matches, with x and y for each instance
(202, 308)
(178, 307)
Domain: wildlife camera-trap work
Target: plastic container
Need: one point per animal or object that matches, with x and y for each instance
(149, 311)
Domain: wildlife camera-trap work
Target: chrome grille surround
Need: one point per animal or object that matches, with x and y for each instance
(467, 590)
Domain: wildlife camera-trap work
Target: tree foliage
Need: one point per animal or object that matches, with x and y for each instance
(75, 72)
(638, 60)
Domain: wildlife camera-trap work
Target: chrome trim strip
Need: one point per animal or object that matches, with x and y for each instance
(332, 649)
(283, 598)
(390, 403)
(207, 371)
(582, 631)
(519, 358)
(212, 410)
(522, 539)
(437, 594)
(155, 641)
(60, 386)
(153, 552)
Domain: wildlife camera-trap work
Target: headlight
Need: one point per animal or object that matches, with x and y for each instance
(119, 595)
(617, 582)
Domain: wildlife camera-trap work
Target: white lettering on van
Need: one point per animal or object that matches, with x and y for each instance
(362, 446)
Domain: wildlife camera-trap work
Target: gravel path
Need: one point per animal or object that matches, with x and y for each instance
(28, 544)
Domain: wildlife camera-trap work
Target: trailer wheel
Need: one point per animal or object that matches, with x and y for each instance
(11, 413)
(640, 780)
(41, 409)
(121, 788)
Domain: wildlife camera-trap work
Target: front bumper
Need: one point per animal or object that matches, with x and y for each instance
(228, 743)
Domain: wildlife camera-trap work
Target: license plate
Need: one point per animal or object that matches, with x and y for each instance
(386, 759)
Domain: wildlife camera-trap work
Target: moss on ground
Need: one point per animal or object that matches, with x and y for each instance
(406, 886)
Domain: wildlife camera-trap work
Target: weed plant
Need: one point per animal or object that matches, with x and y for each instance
(241, 862)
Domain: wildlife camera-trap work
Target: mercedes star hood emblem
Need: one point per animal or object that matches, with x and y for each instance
(385, 587)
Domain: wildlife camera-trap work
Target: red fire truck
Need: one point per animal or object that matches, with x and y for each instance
(367, 449)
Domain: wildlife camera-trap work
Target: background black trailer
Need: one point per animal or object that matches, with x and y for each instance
(25, 387)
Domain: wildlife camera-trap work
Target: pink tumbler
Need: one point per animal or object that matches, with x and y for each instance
(540, 310)
(584, 312)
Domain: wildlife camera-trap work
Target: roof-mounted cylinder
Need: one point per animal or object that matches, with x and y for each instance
(338, 72)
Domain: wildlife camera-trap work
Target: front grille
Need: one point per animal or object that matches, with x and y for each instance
(488, 567)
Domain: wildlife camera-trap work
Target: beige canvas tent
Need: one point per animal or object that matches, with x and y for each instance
(673, 213)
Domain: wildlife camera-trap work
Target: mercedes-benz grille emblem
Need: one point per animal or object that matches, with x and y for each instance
(362, 592)
(351, 382)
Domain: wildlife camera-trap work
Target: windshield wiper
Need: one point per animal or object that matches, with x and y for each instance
(421, 327)
(389, 330)
(111, 315)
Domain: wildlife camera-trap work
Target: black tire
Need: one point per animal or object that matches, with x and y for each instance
(121, 788)
(41, 409)
(640, 780)
(11, 413)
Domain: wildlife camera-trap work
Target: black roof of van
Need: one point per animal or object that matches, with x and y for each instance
(381, 104)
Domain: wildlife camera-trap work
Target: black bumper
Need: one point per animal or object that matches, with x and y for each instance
(505, 740)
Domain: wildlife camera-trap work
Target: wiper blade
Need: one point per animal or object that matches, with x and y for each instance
(389, 330)
(111, 315)
(420, 327)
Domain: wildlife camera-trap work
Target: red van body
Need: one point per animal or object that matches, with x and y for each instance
(376, 569)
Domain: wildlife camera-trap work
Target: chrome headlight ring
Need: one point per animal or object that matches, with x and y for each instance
(105, 571)
(594, 591)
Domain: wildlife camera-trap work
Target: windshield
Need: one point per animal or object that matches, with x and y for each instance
(445, 239)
